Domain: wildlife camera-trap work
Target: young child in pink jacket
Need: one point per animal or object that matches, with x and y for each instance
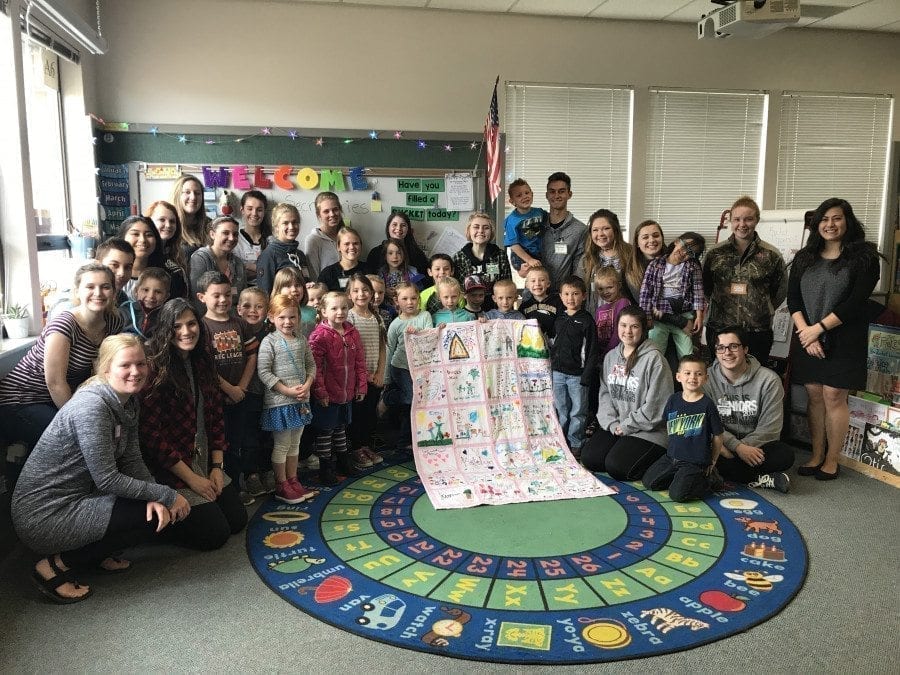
(340, 380)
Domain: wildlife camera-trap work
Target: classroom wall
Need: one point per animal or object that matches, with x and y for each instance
(334, 66)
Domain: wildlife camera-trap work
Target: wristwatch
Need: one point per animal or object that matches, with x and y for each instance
(216, 465)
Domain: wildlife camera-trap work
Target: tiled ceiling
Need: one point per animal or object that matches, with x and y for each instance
(871, 15)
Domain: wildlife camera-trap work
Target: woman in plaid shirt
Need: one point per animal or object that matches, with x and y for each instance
(672, 293)
(182, 429)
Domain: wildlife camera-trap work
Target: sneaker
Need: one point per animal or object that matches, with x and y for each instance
(361, 459)
(373, 457)
(268, 480)
(246, 498)
(253, 484)
(285, 492)
(299, 489)
(311, 463)
(776, 481)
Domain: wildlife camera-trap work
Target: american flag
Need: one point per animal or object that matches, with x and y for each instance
(492, 140)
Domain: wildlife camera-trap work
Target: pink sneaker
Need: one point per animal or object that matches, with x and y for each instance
(287, 493)
(300, 490)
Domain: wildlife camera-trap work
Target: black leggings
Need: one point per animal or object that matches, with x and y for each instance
(365, 418)
(779, 457)
(622, 457)
(209, 525)
(127, 527)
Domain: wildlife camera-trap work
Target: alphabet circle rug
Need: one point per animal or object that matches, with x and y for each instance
(624, 576)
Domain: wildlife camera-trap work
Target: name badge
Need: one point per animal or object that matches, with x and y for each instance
(560, 248)
(739, 288)
(343, 282)
(493, 270)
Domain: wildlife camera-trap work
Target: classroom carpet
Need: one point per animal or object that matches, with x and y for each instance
(593, 580)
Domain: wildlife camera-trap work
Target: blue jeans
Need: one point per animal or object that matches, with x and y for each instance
(570, 401)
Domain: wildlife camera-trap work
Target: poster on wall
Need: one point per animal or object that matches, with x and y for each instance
(115, 196)
(483, 423)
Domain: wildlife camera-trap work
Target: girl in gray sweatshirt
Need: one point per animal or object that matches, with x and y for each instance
(635, 384)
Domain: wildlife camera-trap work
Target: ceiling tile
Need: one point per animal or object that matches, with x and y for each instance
(891, 27)
(648, 10)
(390, 3)
(472, 5)
(867, 15)
(692, 11)
(555, 7)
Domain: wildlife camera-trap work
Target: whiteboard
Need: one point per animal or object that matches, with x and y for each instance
(783, 229)
(360, 211)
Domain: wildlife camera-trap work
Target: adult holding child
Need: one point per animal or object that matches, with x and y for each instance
(219, 257)
(182, 428)
(187, 195)
(635, 384)
(165, 216)
(750, 401)
(282, 249)
(321, 243)
(84, 494)
(61, 359)
(481, 256)
(745, 281)
(830, 281)
(398, 226)
(604, 247)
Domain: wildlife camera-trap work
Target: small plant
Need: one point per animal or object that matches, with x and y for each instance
(16, 312)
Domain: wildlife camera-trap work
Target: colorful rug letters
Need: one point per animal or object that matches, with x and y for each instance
(484, 428)
(629, 575)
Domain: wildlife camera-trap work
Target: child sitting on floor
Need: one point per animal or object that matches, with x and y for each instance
(688, 469)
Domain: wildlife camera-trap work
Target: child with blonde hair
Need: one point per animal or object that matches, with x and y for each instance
(286, 369)
(398, 381)
(341, 378)
(449, 292)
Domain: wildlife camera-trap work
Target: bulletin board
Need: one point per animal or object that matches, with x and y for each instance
(413, 174)
(423, 194)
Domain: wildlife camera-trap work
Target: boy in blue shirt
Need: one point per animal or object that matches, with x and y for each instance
(688, 469)
(523, 228)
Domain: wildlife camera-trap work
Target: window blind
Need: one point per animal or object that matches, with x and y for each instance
(704, 150)
(581, 130)
(834, 145)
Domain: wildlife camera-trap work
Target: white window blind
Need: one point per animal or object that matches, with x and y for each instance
(704, 150)
(583, 131)
(834, 145)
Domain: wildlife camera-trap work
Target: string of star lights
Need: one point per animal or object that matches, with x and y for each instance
(373, 136)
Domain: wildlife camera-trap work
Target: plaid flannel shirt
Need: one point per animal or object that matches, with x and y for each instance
(691, 285)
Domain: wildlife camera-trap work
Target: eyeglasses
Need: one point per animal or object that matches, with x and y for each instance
(733, 348)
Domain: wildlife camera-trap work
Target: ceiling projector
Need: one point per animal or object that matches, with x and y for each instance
(748, 18)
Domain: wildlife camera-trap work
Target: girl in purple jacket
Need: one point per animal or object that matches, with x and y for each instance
(340, 380)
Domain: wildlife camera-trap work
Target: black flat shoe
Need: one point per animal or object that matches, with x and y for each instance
(824, 475)
(809, 470)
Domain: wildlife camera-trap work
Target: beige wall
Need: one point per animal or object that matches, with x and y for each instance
(294, 64)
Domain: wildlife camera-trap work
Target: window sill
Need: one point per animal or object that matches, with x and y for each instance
(12, 351)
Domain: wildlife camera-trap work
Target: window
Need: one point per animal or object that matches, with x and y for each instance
(704, 150)
(583, 131)
(834, 145)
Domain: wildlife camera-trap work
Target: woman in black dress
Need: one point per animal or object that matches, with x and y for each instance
(831, 279)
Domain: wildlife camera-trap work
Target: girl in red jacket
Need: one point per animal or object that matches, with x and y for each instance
(340, 380)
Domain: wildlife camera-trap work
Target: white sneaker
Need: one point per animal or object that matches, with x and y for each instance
(775, 481)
